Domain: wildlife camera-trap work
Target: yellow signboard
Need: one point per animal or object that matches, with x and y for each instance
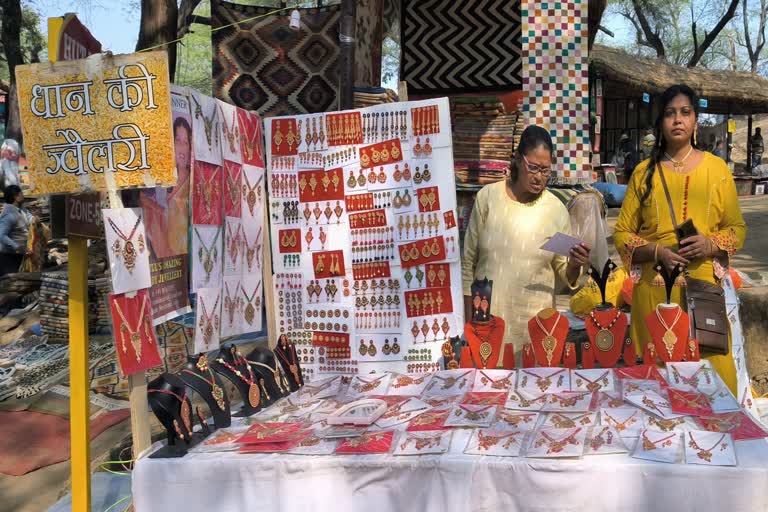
(101, 123)
(731, 126)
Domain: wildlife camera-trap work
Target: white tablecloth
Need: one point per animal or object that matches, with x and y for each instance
(224, 482)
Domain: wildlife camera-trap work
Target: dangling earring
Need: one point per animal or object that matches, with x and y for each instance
(695, 133)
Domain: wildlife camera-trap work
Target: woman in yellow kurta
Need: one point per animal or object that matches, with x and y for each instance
(511, 219)
(702, 189)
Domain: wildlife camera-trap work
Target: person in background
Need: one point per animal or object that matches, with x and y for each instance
(701, 189)
(14, 230)
(510, 220)
(719, 151)
(627, 150)
(9, 163)
(757, 148)
(646, 146)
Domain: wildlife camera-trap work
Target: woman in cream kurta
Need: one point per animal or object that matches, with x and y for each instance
(702, 189)
(502, 243)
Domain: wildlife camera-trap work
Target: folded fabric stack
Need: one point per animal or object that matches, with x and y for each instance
(54, 305)
(483, 140)
(371, 96)
(18, 288)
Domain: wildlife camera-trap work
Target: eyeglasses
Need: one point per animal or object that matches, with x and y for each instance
(536, 169)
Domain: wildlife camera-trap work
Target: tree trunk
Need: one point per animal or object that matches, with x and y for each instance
(709, 37)
(595, 14)
(10, 35)
(158, 26)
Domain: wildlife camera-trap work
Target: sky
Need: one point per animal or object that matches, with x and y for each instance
(108, 20)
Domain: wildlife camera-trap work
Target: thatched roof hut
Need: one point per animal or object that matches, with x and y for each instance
(726, 91)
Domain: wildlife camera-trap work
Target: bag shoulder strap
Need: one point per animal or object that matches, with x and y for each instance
(669, 197)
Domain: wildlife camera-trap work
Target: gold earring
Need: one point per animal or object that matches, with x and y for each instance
(695, 133)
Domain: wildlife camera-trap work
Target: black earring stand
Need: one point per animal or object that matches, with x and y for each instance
(669, 278)
(227, 354)
(221, 418)
(601, 279)
(167, 409)
(266, 357)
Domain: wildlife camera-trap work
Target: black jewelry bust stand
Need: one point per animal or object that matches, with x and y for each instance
(601, 280)
(226, 363)
(263, 361)
(285, 351)
(167, 396)
(197, 375)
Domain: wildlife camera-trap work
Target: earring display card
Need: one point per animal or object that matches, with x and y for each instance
(206, 118)
(127, 249)
(207, 319)
(252, 202)
(494, 380)
(658, 446)
(423, 443)
(592, 380)
(499, 443)
(604, 441)
(207, 256)
(507, 419)
(544, 380)
(250, 138)
(135, 340)
(557, 442)
(233, 306)
(340, 184)
(709, 448)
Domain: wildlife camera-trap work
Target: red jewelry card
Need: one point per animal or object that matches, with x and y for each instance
(360, 202)
(640, 372)
(320, 185)
(250, 138)
(330, 339)
(284, 137)
(739, 424)
(438, 275)
(428, 198)
(328, 264)
(484, 398)
(433, 301)
(371, 219)
(232, 181)
(450, 219)
(371, 270)
(344, 129)
(298, 437)
(369, 442)
(290, 241)
(430, 420)
(383, 153)
(207, 208)
(693, 404)
(423, 251)
(270, 433)
(135, 339)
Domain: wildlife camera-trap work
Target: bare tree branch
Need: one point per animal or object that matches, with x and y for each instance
(186, 9)
(651, 36)
(709, 37)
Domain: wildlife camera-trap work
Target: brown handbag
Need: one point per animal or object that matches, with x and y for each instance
(706, 303)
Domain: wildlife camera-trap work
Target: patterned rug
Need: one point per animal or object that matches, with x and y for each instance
(450, 46)
(264, 66)
(556, 80)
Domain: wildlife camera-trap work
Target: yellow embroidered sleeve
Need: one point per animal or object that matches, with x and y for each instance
(732, 230)
(625, 235)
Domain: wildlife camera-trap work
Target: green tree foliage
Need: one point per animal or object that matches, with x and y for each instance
(33, 42)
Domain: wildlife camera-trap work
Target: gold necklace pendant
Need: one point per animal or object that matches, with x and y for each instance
(669, 339)
(604, 340)
(549, 343)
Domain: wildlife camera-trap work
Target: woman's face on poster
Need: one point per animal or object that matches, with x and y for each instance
(183, 148)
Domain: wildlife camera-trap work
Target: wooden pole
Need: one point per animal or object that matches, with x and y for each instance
(267, 280)
(79, 385)
(347, 41)
(749, 142)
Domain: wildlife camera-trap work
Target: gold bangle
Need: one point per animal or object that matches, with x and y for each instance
(655, 253)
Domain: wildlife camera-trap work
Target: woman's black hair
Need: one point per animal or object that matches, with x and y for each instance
(532, 137)
(10, 193)
(661, 146)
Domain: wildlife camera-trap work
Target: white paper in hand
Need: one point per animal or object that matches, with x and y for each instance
(560, 244)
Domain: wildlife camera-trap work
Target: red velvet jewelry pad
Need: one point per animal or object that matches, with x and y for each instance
(420, 247)
(450, 219)
(330, 339)
(382, 153)
(270, 433)
(207, 207)
(430, 420)
(369, 219)
(328, 256)
(319, 185)
(369, 442)
(298, 437)
(359, 202)
(250, 138)
(484, 398)
(739, 424)
(232, 183)
(283, 132)
(693, 404)
(344, 129)
(126, 354)
(431, 294)
(285, 236)
(423, 198)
